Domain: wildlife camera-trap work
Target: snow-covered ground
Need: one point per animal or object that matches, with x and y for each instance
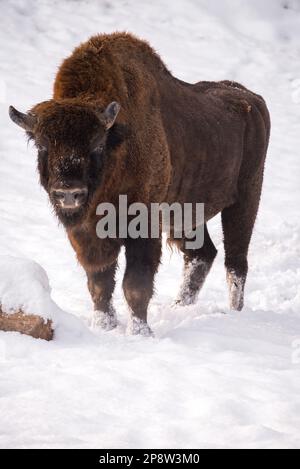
(210, 378)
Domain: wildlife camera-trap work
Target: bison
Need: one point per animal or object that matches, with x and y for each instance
(120, 123)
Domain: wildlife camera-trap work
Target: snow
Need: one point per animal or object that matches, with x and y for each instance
(24, 285)
(210, 378)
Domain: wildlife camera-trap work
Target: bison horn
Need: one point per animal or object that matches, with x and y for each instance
(109, 116)
(26, 121)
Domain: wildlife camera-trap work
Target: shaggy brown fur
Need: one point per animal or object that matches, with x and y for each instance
(171, 142)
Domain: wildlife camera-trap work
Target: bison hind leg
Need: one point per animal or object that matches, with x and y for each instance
(238, 222)
(197, 264)
(236, 285)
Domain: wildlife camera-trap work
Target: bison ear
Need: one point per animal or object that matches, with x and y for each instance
(109, 116)
(26, 121)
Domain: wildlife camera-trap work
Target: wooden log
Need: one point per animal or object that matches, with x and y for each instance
(27, 324)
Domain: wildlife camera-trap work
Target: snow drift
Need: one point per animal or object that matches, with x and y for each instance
(24, 286)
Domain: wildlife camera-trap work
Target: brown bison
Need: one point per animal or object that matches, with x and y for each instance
(120, 123)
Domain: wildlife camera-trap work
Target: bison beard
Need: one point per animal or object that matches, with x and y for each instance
(170, 142)
(71, 218)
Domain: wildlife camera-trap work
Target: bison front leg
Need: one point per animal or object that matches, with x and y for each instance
(142, 261)
(101, 285)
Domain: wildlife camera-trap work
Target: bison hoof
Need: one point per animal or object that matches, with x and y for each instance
(185, 300)
(105, 321)
(236, 290)
(137, 326)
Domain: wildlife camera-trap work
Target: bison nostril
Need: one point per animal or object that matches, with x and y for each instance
(58, 195)
(80, 196)
(70, 198)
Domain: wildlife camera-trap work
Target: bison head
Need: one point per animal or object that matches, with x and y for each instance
(72, 141)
